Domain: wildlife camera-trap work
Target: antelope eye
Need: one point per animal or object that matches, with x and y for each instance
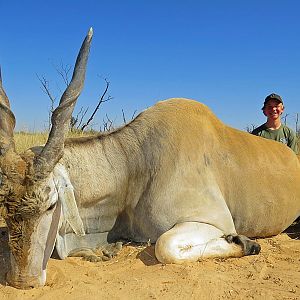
(51, 207)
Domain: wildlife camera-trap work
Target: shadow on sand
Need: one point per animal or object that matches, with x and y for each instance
(147, 256)
(294, 230)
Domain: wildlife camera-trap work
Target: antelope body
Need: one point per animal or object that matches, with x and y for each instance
(175, 175)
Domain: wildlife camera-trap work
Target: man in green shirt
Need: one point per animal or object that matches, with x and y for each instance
(273, 129)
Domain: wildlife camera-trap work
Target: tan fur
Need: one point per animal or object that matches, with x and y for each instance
(180, 142)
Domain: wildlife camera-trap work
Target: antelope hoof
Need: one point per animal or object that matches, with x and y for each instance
(249, 247)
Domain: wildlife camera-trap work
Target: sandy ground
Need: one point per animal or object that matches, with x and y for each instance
(136, 274)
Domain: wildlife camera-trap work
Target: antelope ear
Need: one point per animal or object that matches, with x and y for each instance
(67, 198)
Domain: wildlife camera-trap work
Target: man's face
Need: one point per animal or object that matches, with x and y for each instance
(273, 109)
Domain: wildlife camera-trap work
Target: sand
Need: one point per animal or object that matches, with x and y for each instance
(135, 274)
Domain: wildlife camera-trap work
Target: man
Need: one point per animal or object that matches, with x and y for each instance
(273, 129)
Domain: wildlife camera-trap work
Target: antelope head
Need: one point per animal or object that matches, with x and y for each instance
(29, 191)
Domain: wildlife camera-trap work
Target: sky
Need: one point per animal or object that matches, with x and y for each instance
(228, 55)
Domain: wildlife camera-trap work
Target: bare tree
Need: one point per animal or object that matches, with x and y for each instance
(124, 118)
(107, 124)
(133, 115)
(102, 99)
(297, 123)
(123, 115)
(64, 72)
(76, 121)
(250, 128)
(45, 88)
(284, 118)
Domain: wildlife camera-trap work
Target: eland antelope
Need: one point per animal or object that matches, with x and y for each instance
(175, 175)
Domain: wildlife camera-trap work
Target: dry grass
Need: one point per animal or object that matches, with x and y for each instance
(26, 140)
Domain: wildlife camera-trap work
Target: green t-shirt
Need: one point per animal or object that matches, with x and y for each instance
(283, 135)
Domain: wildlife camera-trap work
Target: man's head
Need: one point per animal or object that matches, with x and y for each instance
(273, 106)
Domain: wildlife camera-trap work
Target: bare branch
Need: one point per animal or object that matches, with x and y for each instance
(285, 118)
(101, 100)
(123, 114)
(133, 115)
(250, 128)
(107, 124)
(46, 89)
(64, 72)
(82, 116)
(297, 122)
(74, 120)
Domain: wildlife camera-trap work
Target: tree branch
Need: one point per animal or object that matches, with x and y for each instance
(45, 88)
(101, 100)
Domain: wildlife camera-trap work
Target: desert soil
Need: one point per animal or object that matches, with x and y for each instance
(136, 274)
